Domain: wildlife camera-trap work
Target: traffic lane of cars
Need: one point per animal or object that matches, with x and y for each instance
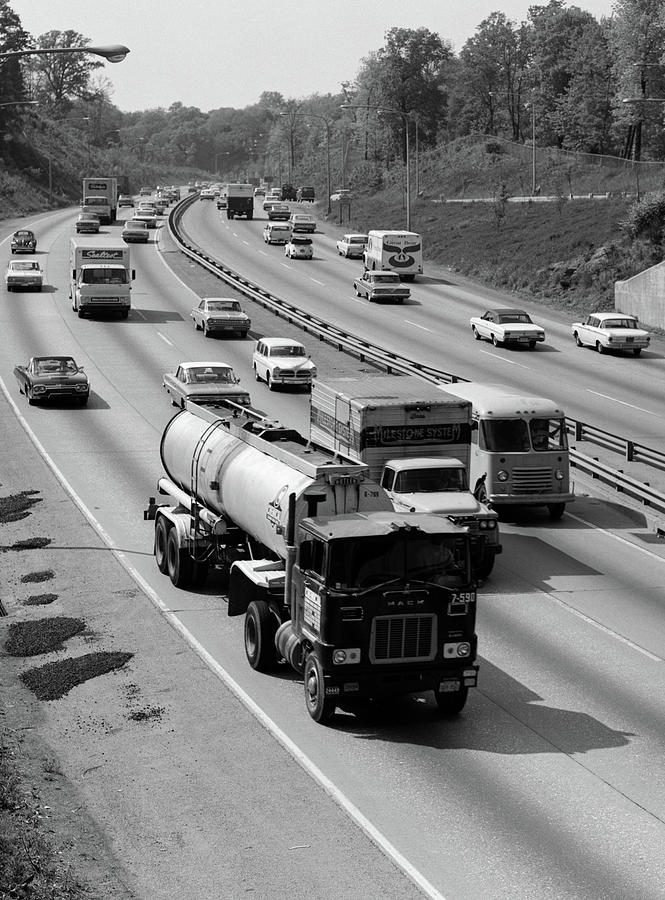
(435, 325)
(414, 762)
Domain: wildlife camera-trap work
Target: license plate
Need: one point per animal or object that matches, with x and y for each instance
(449, 687)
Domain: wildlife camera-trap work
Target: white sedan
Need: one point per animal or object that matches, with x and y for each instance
(23, 274)
(282, 361)
(209, 383)
(507, 326)
(611, 331)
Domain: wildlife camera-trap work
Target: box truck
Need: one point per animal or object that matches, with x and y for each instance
(99, 275)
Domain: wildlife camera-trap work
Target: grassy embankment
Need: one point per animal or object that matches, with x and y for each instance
(564, 252)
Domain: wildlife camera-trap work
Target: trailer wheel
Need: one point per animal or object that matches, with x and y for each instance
(260, 631)
(161, 537)
(451, 703)
(320, 707)
(178, 562)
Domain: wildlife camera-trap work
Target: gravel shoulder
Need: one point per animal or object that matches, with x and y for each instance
(152, 781)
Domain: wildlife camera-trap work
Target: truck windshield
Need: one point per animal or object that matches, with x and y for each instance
(360, 563)
(521, 435)
(95, 201)
(103, 276)
(430, 481)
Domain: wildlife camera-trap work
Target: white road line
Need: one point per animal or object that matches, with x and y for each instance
(263, 252)
(503, 359)
(165, 339)
(287, 266)
(246, 242)
(292, 748)
(623, 403)
(416, 325)
(316, 281)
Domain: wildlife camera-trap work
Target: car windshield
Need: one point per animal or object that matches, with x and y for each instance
(287, 350)
(53, 366)
(619, 323)
(135, 225)
(24, 266)
(430, 481)
(385, 279)
(207, 374)
(24, 234)
(357, 240)
(507, 318)
(221, 305)
(103, 276)
(299, 240)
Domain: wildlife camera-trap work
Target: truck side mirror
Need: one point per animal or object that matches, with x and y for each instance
(73, 274)
(133, 274)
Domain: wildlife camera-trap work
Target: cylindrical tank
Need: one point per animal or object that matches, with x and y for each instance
(235, 479)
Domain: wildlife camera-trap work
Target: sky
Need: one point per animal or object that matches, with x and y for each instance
(226, 53)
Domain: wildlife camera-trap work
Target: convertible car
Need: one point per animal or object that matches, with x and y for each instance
(52, 377)
(208, 383)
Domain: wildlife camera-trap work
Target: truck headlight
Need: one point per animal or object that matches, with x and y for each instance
(558, 474)
(502, 475)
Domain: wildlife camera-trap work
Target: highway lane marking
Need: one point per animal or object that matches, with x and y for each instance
(245, 242)
(263, 252)
(286, 266)
(262, 717)
(316, 281)
(503, 358)
(165, 339)
(623, 403)
(416, 325)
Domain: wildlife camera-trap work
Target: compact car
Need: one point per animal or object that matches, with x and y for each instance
(209, 383)
(303, 222)
(24, 241)
(149, 216)
(52, 377)
(381, 285)
(22, 274)
(87, 223)
(207, 194)
(281, 361)
(279, 212)
(125, 200)
(299, 247)
(507, 326)
(220, 315)
(608, 331)
(277, 233)
(135, 232)
(352, 245)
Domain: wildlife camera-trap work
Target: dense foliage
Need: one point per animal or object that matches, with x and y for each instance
(558, 78)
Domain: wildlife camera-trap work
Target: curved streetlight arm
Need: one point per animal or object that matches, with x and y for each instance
(113, 52)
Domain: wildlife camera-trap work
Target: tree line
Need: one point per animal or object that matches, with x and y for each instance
(560, 77)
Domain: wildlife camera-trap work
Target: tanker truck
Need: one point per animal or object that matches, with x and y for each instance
(362, 601)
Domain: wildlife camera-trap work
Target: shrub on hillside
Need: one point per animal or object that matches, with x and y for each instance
(646, 218)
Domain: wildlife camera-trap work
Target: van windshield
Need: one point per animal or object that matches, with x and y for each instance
(521, 436)
(100, 275)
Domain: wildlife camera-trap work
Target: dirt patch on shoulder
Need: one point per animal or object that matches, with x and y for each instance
(41, 635)
(55, 679)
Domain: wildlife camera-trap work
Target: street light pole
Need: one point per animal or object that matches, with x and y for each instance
(327, 123)
(407, 119)
(533, 144)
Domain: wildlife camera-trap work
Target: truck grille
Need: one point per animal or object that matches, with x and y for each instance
(532, 481)
(407, 638)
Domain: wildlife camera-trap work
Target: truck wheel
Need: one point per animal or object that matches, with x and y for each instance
(556, 510)
(260, 631)
(484, 568)
(80, 312)
(161, 538)
(178, 562)
(451, 703)
(320, 707)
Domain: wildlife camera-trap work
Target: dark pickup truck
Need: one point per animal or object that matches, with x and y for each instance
(306, 194)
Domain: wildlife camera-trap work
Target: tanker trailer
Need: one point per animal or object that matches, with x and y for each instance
(363, 601)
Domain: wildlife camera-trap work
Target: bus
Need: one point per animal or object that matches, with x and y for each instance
(519, 448)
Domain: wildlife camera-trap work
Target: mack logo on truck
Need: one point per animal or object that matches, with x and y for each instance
(102, 254)
(386, 435)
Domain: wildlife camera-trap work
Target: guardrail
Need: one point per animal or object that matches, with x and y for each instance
(392, 362)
